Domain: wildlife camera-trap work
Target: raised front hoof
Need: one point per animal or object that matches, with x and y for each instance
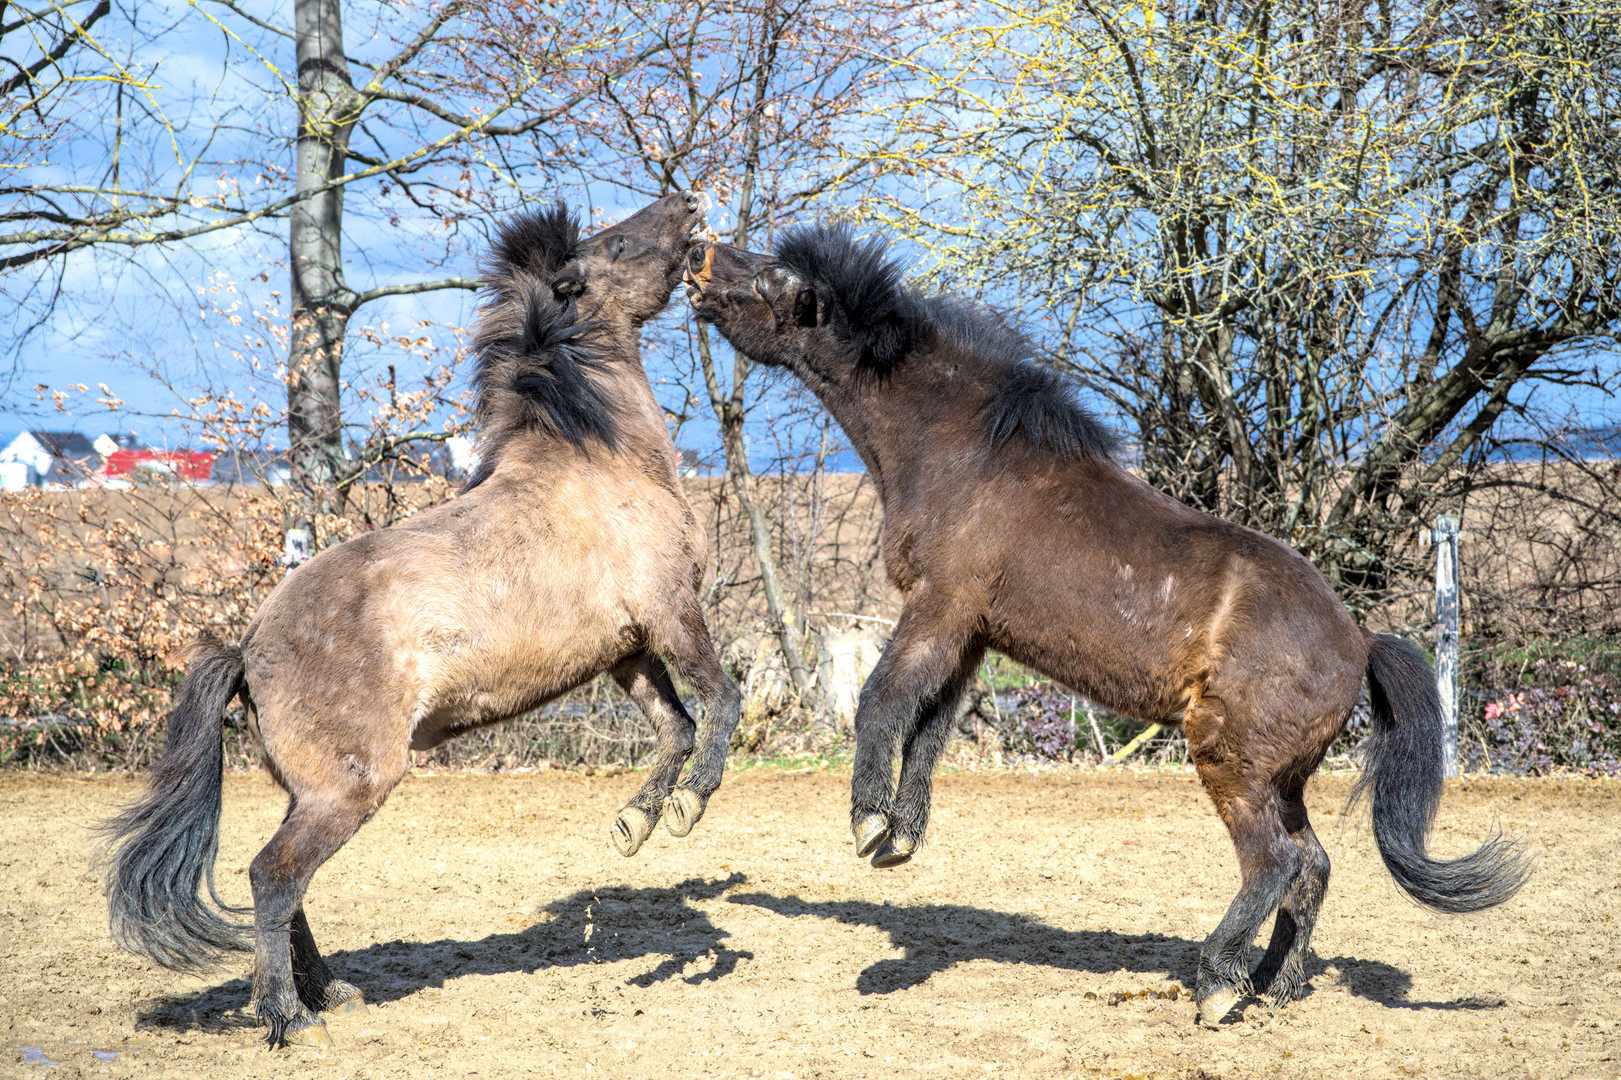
(1214, 1006)
(870, 831)
(631, 827)
(344, 999)
(307, 1031)
(893, 852)
(682, 810)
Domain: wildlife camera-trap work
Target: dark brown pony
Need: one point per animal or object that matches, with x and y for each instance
(572, 551)
(1009, 526)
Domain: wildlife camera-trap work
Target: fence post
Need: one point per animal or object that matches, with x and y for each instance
(296, 547)
(1446, 636)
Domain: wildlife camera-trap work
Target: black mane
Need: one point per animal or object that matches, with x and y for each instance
(534, 242)
(882, 316)
(533, 373)
(886, 320)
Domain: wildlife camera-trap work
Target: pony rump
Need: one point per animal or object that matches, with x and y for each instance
(884, 320)
(533, 373)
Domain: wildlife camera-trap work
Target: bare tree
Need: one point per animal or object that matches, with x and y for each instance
(752, 100)
(444, 88)
(1313, 253)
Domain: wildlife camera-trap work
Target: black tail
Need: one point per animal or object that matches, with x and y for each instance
(1403, 770)
(163, 846)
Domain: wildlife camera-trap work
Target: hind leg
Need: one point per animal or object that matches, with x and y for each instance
(1269, 862)
(1282, 970)
(910, 816)
(645, 681)
(685, 642)
(316, 986)
(319, 821)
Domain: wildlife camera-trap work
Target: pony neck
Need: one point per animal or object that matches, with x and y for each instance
(865, 407)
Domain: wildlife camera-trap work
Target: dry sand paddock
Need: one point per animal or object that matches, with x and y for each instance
(1044, 931)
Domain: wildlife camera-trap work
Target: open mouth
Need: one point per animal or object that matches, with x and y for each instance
(699, 266)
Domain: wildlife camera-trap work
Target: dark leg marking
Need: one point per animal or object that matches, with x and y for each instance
(317, 824)
(1269, 861)
(1281, 973)
(919, 663)
(646, 682)
(910, 816)
(316, 986)
(686, 643)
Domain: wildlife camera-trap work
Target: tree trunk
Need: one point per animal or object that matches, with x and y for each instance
(322, 301)
(729, 414)
(729, 409)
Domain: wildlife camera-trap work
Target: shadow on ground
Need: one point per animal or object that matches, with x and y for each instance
(601, 926)
(936, 937)
(608, 925)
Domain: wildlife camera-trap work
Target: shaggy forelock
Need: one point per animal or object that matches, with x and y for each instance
(885, 321)
(863, 282)
(534, 242)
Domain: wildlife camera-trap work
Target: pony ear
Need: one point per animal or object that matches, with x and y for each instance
(807, 307)
(568, 284)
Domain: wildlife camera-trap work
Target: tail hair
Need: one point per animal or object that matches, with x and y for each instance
(161, 849)
(1403, 773)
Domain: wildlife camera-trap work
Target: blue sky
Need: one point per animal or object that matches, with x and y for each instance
(123, 316)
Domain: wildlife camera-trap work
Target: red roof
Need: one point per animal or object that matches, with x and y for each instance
(185, 464)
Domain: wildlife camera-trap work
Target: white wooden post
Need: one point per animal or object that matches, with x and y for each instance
(297, 547)
(1446, 636)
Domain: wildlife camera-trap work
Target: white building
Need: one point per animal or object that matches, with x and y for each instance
(66, 458)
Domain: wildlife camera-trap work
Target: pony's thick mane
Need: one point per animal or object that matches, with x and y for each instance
(887, 321)
(536, 243)
(531, 370)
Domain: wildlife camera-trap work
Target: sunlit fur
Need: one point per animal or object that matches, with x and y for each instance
(574, 554)
(1045, 549)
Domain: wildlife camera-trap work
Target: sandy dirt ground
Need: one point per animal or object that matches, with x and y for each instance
(1048, 929)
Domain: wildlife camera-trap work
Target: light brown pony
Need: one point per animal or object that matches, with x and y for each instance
(1008, 525)
(572, 551)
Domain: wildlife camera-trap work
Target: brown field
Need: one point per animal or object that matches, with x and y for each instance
(1047, 930)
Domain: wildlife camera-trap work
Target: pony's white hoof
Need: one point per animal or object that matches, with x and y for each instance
(344, 999)
(631, 827)
(893, 852)
(682, 810)
(1215, 1007)
(870, 831)
(314, 1035)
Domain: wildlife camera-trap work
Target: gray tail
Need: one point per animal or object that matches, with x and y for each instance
(162, 847)
(1403, 771)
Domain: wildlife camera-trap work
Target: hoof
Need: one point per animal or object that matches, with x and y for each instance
(870, 831)
(893, 852)
(343, 999)
(631, 827)
(682, 810)
(1220, 1002)
(311, 1034)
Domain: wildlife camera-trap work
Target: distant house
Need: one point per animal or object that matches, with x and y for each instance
(70, 459)
(64, 458)
(144, 464)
